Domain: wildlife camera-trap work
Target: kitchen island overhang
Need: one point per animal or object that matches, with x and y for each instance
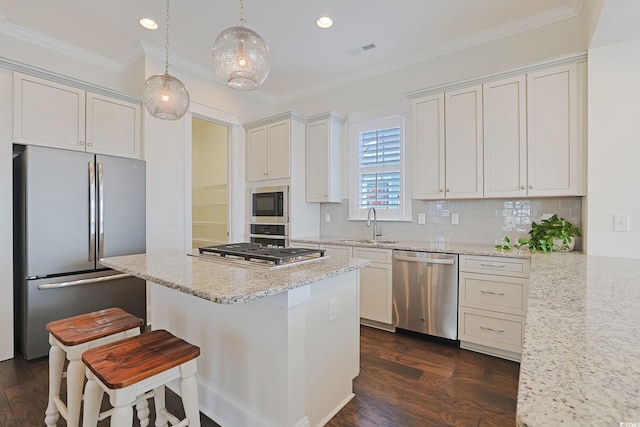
(272, 351)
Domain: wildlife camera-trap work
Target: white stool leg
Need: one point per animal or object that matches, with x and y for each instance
(159, 402)
(92, 400)
(122, 416)
(75, 380)
(142, 409)
(56, 364)
(189, 391)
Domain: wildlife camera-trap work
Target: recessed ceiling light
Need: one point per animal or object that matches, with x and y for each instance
(324, 22)
(148, 23)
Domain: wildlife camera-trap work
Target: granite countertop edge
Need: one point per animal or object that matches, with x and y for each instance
(277, 285)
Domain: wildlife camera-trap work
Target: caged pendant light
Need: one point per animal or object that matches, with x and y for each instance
(164, 96)
(241, 57)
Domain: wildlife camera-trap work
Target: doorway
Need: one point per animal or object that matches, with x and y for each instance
(209, 181)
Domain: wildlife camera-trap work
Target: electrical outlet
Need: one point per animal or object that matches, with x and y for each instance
(621, 222)
(327, 217)
(422, 218)
(510, 221)
(333, 309)
(545, 216)
(454, 218)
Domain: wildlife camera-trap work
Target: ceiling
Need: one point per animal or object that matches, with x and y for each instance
(305, 59)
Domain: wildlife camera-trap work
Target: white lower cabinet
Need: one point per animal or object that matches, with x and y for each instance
(375, 287)
(336, 250)
(493, 304)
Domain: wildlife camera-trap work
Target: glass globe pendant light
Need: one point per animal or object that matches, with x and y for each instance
(241, 57)
(164, 96)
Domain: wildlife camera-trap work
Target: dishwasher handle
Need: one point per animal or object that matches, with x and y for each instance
(447, 261)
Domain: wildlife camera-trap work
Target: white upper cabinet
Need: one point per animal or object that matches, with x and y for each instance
(428, 147)
(55, 115)
(463, 142)
(552, 130)
(505, 138)
(113, 126)
(268, 151)
(323, 158)
(447, 145)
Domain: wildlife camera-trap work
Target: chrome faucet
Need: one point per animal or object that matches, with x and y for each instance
(376, 231)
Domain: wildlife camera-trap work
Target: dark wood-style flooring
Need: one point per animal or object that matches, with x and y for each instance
(405, 381)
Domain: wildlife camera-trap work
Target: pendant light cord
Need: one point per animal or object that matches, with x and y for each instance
(241, 21)
(166, 55)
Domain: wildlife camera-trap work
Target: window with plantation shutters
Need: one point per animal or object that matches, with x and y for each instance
(379, 164)
(379, 174)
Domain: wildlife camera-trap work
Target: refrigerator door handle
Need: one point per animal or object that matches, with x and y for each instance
(101, 212)
(82, 282)
(92, 211)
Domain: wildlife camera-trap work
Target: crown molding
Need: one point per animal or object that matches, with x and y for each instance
(38, 39)
(283, 116)
(565, 12)
(523, 69)
(526, 24)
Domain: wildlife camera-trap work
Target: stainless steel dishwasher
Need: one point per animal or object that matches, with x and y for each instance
(425, 293)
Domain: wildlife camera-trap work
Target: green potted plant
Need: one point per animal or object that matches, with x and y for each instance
(552, 234)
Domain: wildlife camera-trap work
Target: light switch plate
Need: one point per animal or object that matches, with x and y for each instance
(327, 217)
(422, 218)
(454, 218)
(620, 222)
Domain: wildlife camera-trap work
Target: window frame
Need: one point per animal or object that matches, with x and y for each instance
(397, 116)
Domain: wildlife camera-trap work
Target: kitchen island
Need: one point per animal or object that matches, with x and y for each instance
(581, 354)
(279, 346)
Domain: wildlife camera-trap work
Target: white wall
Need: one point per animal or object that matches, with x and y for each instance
(614, 148)
(6, 221)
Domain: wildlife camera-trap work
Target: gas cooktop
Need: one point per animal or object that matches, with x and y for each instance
(254, 252)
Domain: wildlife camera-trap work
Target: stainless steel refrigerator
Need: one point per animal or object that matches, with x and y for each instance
(71, 209)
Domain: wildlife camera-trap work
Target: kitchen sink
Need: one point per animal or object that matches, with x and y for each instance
(369, 241)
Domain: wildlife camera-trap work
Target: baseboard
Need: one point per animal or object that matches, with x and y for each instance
(336, 410)
(230, 412)
(377, 325)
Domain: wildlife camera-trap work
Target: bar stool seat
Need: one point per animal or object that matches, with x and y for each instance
(136, 369)
(71, 337)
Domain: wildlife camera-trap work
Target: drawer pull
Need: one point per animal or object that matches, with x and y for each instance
(486, 264)
(491, 292)
(486, 328)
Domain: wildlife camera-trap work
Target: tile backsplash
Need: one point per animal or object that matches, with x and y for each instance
(479, 221)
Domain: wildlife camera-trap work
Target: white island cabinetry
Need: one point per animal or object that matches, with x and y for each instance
(493, 304)
(55, 115)
(272, 353)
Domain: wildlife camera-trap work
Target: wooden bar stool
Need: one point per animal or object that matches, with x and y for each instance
(72, 337)
(136, 369)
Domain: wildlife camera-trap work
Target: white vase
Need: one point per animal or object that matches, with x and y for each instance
(557, 244)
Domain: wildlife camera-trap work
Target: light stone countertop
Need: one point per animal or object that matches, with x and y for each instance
(581, 358)
(407, 245)
(225, 281)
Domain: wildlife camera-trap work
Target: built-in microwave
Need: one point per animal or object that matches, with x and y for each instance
(270, 205)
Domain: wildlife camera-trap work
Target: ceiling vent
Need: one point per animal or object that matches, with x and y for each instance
(362, 49)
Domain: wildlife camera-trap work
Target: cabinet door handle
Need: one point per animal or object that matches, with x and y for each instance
(522, 187)
(90, 144)
(531, 187)
(81, 142)
(448, 190)
(486, 328)
(441, 190)
(491, 292)
(486, 264)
